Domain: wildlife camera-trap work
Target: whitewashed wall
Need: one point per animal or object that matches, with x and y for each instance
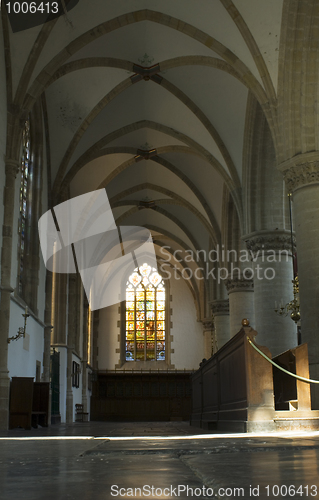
(24, 353)
(188, 337)
(108, 337)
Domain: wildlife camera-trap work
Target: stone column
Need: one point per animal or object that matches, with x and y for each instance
(273, 274)
(11, 170)
(302, 180)
(48, 328)
(69, 392)
(46, 353)
(220, 310)
(72, 333)
(85, 311)
(208, 337)
(241, 303)
(95, 326)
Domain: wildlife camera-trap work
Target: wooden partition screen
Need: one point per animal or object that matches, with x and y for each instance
(239, 390)
(233, 390)
(138, 396)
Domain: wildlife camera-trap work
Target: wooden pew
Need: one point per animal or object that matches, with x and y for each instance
(239, 390)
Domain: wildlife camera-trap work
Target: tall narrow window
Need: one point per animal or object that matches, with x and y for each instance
(24, 194)
(145, 315)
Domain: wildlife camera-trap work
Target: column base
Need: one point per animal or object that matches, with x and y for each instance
(69, 407)
(4, 401)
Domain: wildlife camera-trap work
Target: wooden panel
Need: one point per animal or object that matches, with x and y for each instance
(259, 379)
(141, 397)
(21, 394)
(40, 404)
(41, 392)
(285, 387)
(302, 369)
(234, 381)
(233, 378)
(210, 387)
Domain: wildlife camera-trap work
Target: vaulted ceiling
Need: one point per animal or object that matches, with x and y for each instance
(148, 99)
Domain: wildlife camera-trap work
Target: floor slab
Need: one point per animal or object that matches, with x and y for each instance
(96, 461)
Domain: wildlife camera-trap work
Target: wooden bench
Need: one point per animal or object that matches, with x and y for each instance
(80, 415)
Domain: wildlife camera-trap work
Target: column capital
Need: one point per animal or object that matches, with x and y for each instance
(12, 166)
(301, 170)
(269, 241)
(239, 285)
(207, 324)
(220, 307)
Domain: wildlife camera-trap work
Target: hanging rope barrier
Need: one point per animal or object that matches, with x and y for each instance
(303, 379)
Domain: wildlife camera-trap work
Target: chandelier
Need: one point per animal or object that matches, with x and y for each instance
(292, 307)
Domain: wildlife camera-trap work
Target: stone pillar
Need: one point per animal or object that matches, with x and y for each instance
(208, 337)
(273, 274)
(60, 317)
(48, 328)
(302, 180)
(86, 312)
(72, 334)
(46, 353)
(95, 326)
(69, 392)
(220, 310)
(241, 303)
(11, 170)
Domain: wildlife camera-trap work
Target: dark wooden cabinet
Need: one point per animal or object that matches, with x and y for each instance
(29, 403)
(21, 398)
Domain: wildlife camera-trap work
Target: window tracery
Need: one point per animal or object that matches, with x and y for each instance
(145, 315)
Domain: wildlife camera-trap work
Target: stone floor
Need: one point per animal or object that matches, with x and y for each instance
(95, 461)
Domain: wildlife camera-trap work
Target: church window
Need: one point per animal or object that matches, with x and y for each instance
(23, 201)
(145, 315)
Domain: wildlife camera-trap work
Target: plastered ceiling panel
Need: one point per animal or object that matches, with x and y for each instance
(264, 21)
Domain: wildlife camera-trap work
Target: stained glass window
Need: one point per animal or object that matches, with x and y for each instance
(24, 192)
(145, 315)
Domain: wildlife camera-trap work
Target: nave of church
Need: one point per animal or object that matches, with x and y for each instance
(159, 175)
